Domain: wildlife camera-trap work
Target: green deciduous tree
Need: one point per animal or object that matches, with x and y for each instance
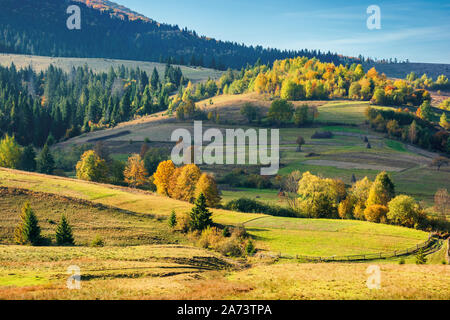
(301, 115)
(292, 91)
(403, 210)
(280, 111)
(381, 191)
(91, 167)
(10, 153)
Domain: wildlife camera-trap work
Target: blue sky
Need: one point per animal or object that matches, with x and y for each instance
(414, 30)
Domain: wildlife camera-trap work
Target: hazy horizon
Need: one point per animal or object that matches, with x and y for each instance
(418, 31)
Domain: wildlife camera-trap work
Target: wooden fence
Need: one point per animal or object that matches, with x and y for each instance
(447, 255)
(364, 257)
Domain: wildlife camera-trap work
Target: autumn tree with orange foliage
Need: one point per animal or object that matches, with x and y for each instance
(186, 183)
(207, 185)
(163, 176)
(135, 173)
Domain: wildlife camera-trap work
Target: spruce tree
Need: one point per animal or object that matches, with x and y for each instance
(250, 248)
(28, 231)
(64, 236)
(45, 161)
(173, 219)
(28, 161)
(200, 215)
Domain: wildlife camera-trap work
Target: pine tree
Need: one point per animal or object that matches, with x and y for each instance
(45, 161)
(173, 219)
(64, 234)
(28, 231)
(28, 161)
(250, 248)
(200, 215)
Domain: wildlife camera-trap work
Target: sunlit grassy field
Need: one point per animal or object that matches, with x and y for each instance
(343, 281)
(265, 229)
(322, 237)
(142, 259)
(173, 272)
(40, 63)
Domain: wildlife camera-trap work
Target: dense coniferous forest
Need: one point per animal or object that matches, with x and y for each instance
(49, 106)
(39, 28)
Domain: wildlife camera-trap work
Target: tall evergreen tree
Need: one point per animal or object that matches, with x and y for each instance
(28, 160)
(200, 215)
(64, 234)
(28, 230)
(45, 162)
(155, 79)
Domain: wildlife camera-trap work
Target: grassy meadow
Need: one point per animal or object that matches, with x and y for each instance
(143, 259)
(41, 63)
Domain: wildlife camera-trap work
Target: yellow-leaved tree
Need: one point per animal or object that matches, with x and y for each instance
(91, 167)
(10, 153)
(135, 173)
(163, 176)
(172, 187)
(207, 185)
(186, 182)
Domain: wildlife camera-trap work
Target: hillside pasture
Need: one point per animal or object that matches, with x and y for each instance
(41, 63)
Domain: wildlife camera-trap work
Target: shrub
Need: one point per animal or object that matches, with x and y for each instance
(230, 247)
(210, 238)
(239, 232)
(98, 241)
(376, 213)
(226, 232)
(322, 135)
(183, 223)
(402, 261)
(253, 206)
(240, 178)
